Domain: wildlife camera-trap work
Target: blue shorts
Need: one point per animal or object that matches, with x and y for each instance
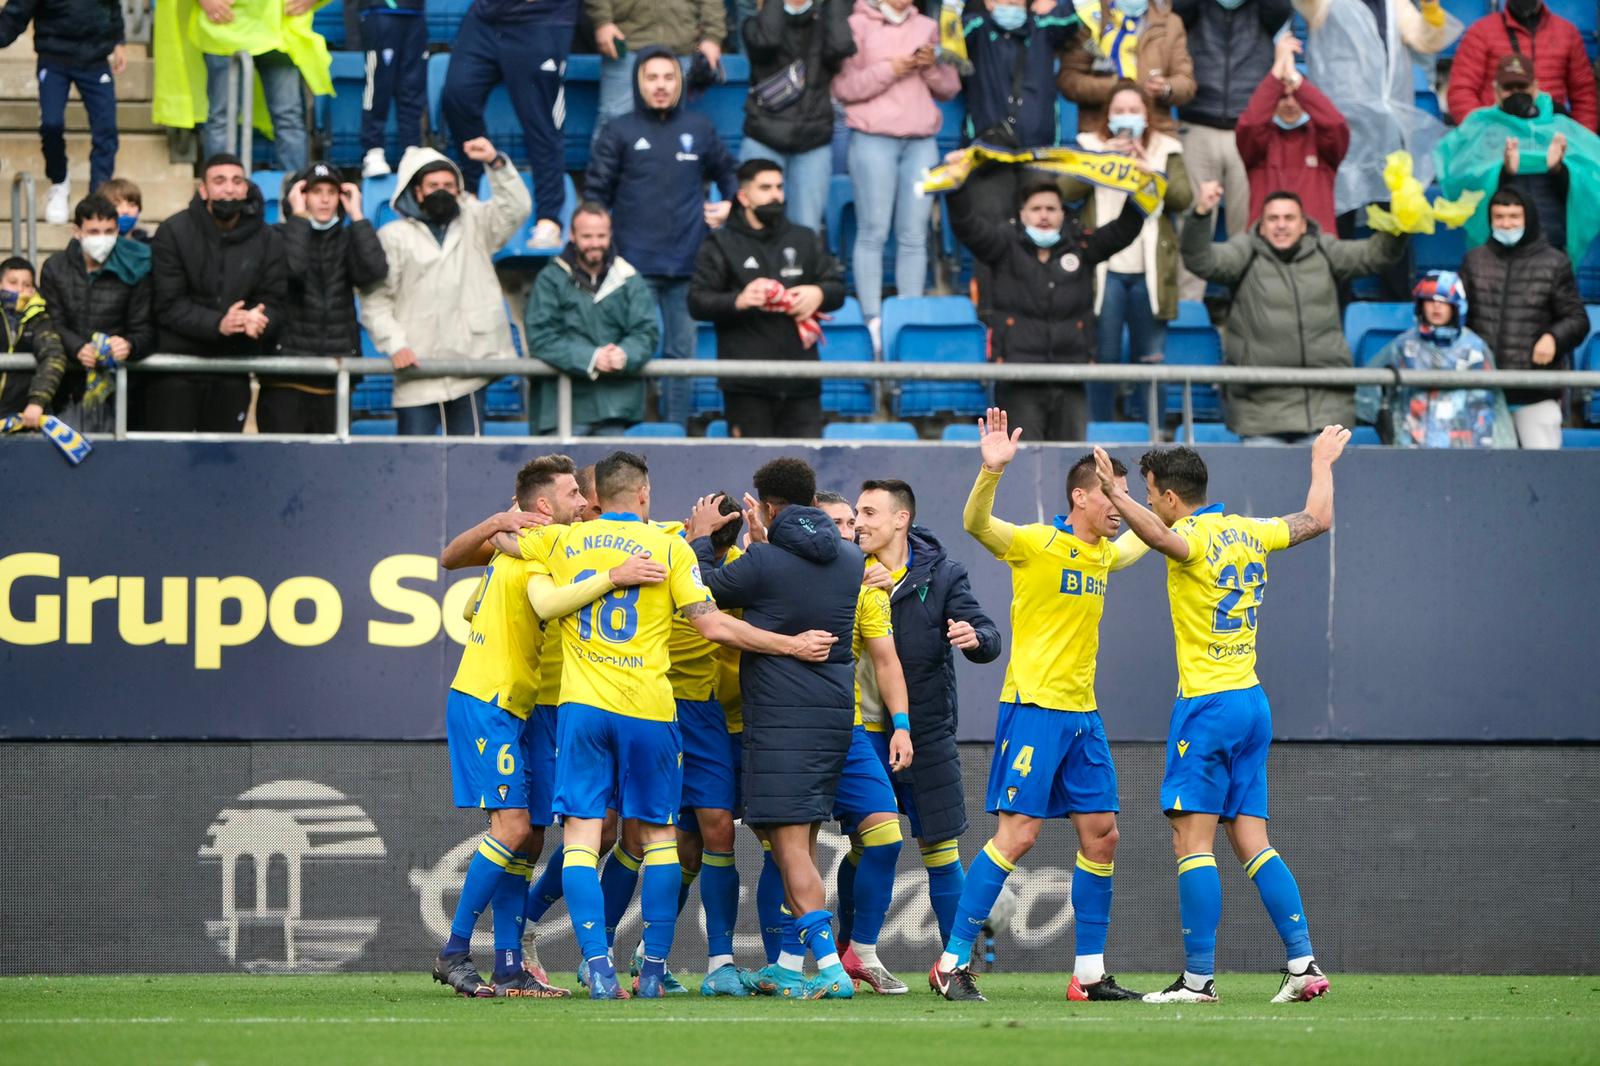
(489, 758)
(864, 786)
(1049, 764)
(710, 774)
(540, 743)
(904, 794)
(1217, 754)
(631, 765)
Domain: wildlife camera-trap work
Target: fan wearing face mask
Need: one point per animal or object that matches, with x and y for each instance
(1292, 137)
(1518, 95)
(1551, 47)
(99, 293)
(1127, 40)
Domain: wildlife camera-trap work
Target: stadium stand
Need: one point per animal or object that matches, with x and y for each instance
(1193, 341)
(1119, 433)
(846, 340)
(1368, 326)
(655, 429)
(868, 431)
(962, 432)
(935, 329)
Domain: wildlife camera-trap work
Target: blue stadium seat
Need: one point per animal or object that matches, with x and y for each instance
(846, 340)
(1366, 437)
(1368, 326)
(515, 252)
(1443, 249)
(438, 66)
(270, 182)
(581, 93)
(1581, 13)
(722, 103)
(374, 427)
(1580, 438)
(705, 396)
(444, 19)
(1066, 121)
(1212, 433)
(953, 129)
(935, 329)
(965, 432)
(1587, 357)
(504, 397)
(1193, 341)
(881, 431)
(329, 22)
(339, 115)
(514, 428)
(655, 429)
(717, 429)
(841, 198)
(375, 196)
(1589, 273)
(1119, 433)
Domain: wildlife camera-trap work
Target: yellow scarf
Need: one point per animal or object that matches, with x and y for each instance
(1116, 36)
(1119, 172)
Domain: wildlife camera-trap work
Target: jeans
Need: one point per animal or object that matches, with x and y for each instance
(285, 99)
(805, 179)
(677, 342)
(1126, 302)
(885, 172)
(397, 73)
(616, 86)
(460, 417)
(98, 90)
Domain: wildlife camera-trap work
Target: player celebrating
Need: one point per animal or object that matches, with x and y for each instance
(619, 744)
(1051, 757)
(1221, 724)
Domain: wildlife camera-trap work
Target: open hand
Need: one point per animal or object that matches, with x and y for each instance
(997, 443)
(1330, 443)
(878, 577)
(752, 517)
(350, 198)
(1513, 156)
(1557, 152)
(707, 517)
(812, 646)
(638, 570)
(1103, 470)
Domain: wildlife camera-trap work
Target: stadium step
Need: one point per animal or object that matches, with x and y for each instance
(133, 116)
(19, 76)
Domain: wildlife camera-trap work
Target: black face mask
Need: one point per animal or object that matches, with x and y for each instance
(1523, 10)
(440, 206)
(769, 215)
(228, 210)
(1520, 105)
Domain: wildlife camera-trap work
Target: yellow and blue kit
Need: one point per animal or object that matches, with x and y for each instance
(864, 786)
(710, 779)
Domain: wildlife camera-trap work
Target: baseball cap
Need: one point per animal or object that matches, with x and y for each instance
(1513, 71)
(318, 173)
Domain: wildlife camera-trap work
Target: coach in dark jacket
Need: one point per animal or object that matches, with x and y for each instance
(733, 278)
(1522, 299)
(327, 262)
(1043, 267)
(221, 289)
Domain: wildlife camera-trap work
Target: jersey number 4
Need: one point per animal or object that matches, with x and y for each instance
(1236, 586)
(615, 615)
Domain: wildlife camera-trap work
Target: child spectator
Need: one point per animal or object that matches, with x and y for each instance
(129, 202)
(27, 330)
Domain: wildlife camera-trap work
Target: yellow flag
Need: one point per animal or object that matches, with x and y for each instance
(1409, 210)
(952, 41)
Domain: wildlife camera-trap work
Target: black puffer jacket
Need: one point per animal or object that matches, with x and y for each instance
(66, 33)
(1043, 312)
(201, 270)
(798, 716)
(82, 304)
(1232, 52)
(935, 590)
(1516, 295)
(325, 269)
(774, 39)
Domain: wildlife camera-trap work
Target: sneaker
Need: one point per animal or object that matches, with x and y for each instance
(56, 206)
(831, 983)
(530, 956)
(1105, 990)
(955, 985)
(725, 980)
(526, 986)
(875, 977)
(373, 164)
(671, 984)
(603, 987)
(1302, 987)
(458, 972)
(1178, 992)
(547, 234)
(775, 980)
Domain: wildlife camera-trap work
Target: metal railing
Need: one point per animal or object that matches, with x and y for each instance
(24, 201)
(1152, 377)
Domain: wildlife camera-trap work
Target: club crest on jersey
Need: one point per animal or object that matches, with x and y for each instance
(504, 791)
(791, 267)
(1011, 794)
(1070, 262)
(687, 153)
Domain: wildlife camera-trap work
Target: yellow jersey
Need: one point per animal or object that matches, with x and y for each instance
(615, 655)
(550, 667)
(501, 661)
(693, 658)
(1058, 593)
(873, 620)
(1215, 595)
(869, 699)
(728, 670)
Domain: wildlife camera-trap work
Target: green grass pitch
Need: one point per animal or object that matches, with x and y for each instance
(405, 1018)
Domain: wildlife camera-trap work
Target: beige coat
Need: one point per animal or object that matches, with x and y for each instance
(443, 301)
(1163, 46)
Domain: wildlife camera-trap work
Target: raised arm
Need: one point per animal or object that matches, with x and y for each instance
(998, 447)
(1130, 549)
(812, 646)
(1317, 518)
(1141, 521)
(892, 686)
(477, 546)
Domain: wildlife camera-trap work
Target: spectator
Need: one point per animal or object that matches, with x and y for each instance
(1127, 40)
(1137, 288)
(650, 168)
(1551, 44)
(1043, 296)
(125, 196)
(1438, 418)
(1518, 94)
(524, 46)
(1231, 45)
(327, 262)
(1523, 300)
(1292, 137)
(795, 50)
(591, 316)
(1284, 275)
(623, 29)
(98, 291)
(889, 89)
(394, 34)
(221, 289)
(761, 279)
(1011, 101)
(28, 330)
(78, 42)
(441, 299)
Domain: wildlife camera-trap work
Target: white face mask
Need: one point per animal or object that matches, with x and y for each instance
(98, 248)
(893, 17)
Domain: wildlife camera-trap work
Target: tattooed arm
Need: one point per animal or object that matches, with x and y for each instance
(1317, 518)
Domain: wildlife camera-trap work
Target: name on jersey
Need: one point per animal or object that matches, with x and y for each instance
(607, 540)
(1226, 537)
(1077, 583)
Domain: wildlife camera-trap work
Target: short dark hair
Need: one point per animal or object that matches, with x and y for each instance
(828, 496)
(1082, 475)
(781, 482)
(750, 169)
(93, 207)
(898, 491)
(591, 207)
(1178, 469)
(15, 262)
(1284, 194)
(1034, 187)
(121, 189)
(220, 159)
(538, 475)
(724, 538)
(586, 480)
(619, 473)
(1505, 196)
